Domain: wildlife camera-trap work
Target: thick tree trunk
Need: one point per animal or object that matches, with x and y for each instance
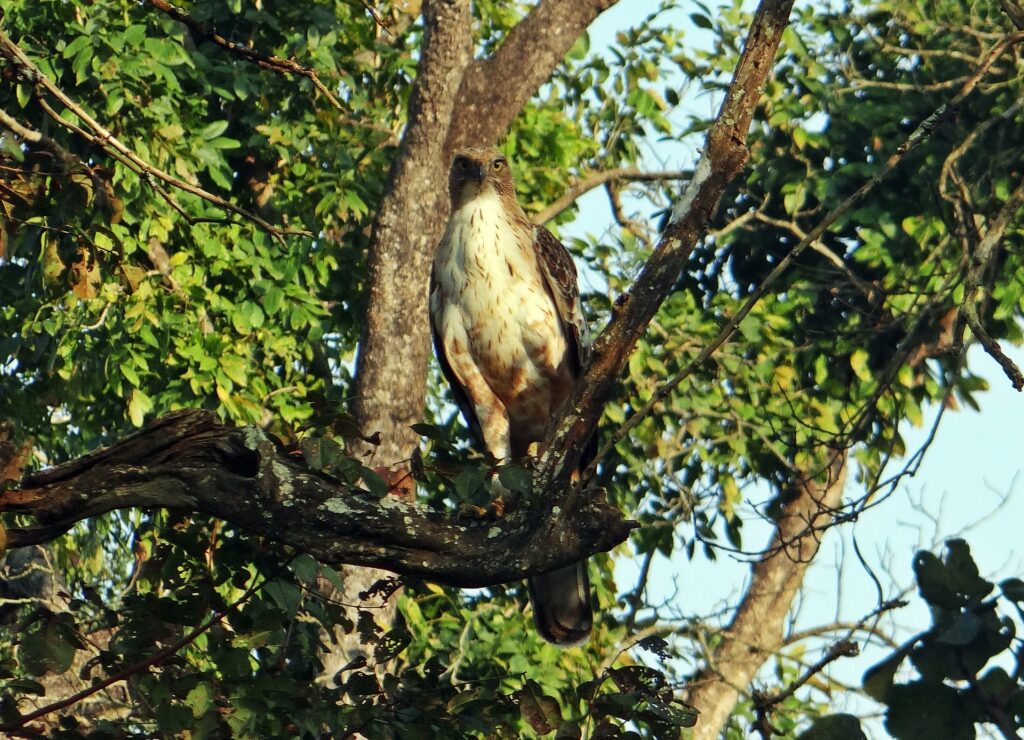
(756, 631)
(394, 350)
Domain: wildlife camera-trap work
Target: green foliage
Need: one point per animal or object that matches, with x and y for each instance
(959, 680)
(117, 305)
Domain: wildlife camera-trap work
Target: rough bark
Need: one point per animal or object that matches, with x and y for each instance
(190, 461)
(495, 89)
(756, 631)
(394, 351)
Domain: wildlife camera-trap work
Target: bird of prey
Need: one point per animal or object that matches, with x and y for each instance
(510, 337)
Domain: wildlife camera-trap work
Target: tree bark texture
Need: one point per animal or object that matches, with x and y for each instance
(756, 630)
(190, 461)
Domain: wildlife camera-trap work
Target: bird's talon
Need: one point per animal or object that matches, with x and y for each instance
(470, 511)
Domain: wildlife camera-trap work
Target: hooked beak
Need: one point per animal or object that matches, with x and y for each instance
(478, 173)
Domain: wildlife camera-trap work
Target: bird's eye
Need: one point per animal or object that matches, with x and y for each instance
(462, 163)
(497, 164)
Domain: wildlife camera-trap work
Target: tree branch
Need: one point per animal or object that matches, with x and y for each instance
(982, 262)
(391, 368)
(724, 155)
(189, 461)
(492, 94)
(764, 703)
(589, 181)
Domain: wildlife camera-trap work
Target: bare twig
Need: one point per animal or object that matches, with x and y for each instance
(764, 702)
(991, 346)
(589, 181)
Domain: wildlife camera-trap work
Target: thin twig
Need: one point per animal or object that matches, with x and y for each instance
(982, 262)
(587, 182)
(764, 702)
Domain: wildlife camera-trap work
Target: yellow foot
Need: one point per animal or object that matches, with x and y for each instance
(494, 510)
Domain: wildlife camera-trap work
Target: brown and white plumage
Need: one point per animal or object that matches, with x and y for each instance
(510, 336)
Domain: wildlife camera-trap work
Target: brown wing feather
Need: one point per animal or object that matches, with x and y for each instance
(458, 391)
(559, 273)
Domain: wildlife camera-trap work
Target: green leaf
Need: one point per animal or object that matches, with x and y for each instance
(285, 595)
(468, 482)
(701, 21)
(934, 581)
(75, 46)
(235, 368)
(129, 373)
(139, 404)
(516, 478)
(200, 699)
(878, 679)
(925, 711)
(377, 486)
(391, 644)
(964, 571)
(541, 712)
(272, 300)
(24, 686)
(173, 718)
(1013, 589)
(859, 363)
(834, 727)
(23, 93)
(305, 568)
(674, 715)
(427, 430)
(213, 130)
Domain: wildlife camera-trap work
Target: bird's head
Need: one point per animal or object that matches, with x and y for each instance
(478, 171)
